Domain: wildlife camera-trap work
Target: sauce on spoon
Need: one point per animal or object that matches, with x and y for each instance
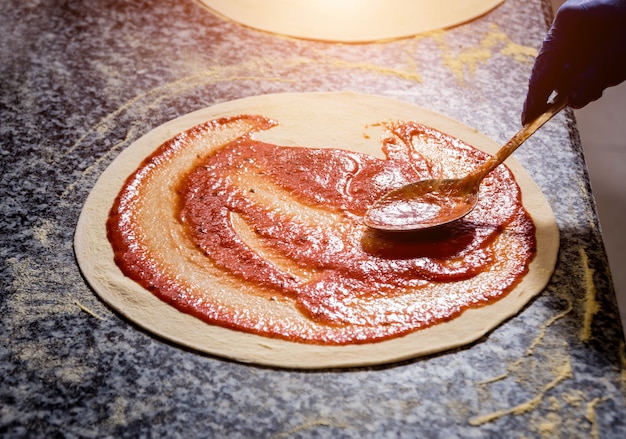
(430, 203)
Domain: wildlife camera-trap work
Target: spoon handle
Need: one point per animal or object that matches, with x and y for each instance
(520, 137)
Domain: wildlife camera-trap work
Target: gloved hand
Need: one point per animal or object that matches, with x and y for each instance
(583, 53)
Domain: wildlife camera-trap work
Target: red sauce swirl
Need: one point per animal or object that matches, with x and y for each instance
(263, 213)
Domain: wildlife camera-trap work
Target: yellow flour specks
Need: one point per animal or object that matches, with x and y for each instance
(42, 232)
(130, 135)
(87, 310)
(469, 58)
(522, 54)
(520, 365)
(407, 71)
(251, 69)
(516, 365)
(554, 403)
(574, 398)
(550, 426)
(36, 351)
(591, 306)
(591, 417)
(117, 409)
(564, 373)
(542, 330)
(309, 425)
(374, 68)
(410, 48)
(28, 275)
(546, 360)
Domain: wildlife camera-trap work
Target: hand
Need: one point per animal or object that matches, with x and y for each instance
(583, 53)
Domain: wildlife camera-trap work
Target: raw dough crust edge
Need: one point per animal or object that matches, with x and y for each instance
(350, 21)
(95, 256)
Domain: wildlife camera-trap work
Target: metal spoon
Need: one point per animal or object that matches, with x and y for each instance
(431, 203)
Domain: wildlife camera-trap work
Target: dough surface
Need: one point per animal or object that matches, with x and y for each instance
(324, 120)
(350, 20)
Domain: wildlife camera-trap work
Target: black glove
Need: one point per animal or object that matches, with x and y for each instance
(583, 53)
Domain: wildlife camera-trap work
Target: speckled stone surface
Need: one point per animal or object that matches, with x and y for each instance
(80, 81)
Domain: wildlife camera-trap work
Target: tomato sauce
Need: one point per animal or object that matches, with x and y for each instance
(306, 205)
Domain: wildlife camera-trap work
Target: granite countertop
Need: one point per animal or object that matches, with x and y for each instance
(80, 81)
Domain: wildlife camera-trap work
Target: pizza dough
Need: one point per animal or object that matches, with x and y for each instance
(330, 120)
(350, 20)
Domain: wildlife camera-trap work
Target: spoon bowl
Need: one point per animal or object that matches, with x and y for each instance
(421, 205)
(431, 203)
